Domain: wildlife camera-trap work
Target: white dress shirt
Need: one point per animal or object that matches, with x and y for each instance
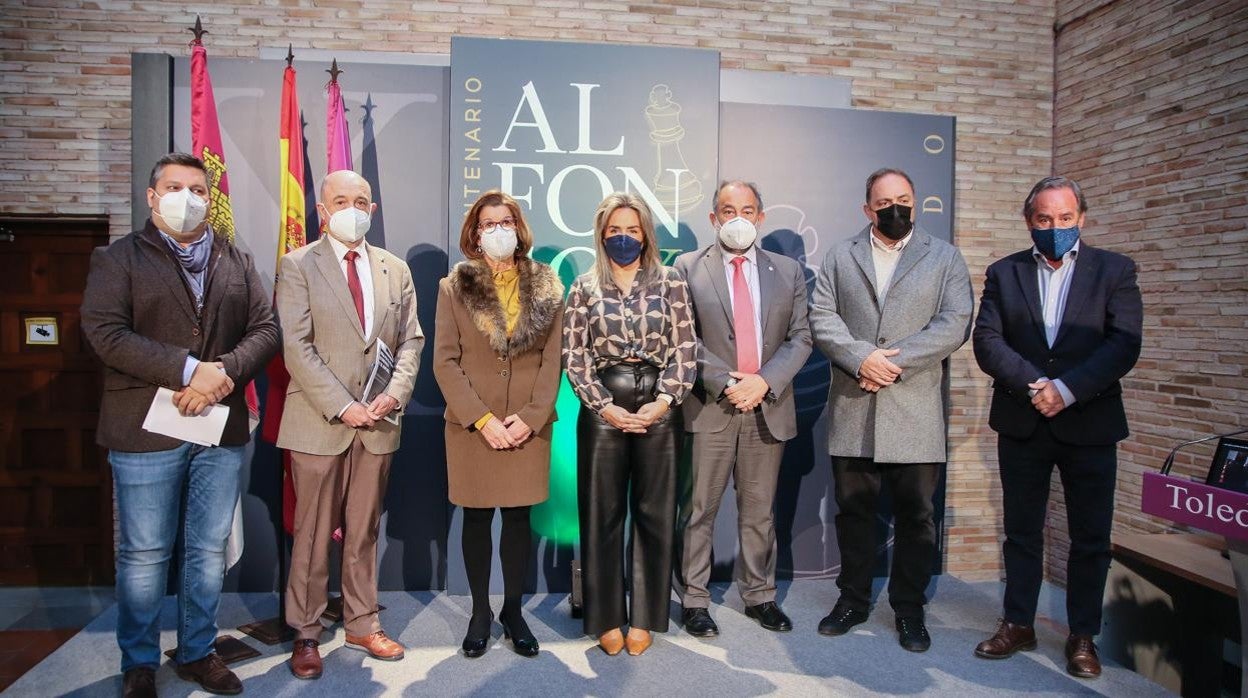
(366, 276)
(885, 256)
(750, 269)
(366, 286)
(1054, 293)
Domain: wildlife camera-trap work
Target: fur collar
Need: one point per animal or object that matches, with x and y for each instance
(541, 300)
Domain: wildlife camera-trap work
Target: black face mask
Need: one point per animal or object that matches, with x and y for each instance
(894, 221)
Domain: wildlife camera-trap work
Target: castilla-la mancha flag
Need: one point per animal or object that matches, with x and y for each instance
(206, 145)
(290, 237)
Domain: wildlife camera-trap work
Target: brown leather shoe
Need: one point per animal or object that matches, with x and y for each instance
(212, 675)
(611, 641)
(638, 641)
(378, 646)
(1008, 639)
(139, 682)
(1081, 659)
(305, 660)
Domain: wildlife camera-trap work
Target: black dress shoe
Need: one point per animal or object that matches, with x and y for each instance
(769, 615)
(139, 682)
(478, 635)
(840, 620)
(912, 634)
(698, 622)
(522, 640)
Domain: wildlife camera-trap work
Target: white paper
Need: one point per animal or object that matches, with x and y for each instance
(163, 418)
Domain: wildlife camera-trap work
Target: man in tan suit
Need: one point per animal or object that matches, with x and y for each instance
(338, 300)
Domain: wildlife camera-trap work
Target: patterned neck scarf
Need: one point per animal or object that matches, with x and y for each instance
(194, 261)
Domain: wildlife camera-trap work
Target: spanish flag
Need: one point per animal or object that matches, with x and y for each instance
(291, 236)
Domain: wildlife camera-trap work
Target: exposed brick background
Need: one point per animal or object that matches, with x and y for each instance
(1150, 115)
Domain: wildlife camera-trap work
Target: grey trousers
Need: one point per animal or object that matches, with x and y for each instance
(746, 451)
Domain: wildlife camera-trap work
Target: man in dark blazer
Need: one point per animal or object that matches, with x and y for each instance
(750, 310)
(890, 305)
(1059, 325)
(174, 306)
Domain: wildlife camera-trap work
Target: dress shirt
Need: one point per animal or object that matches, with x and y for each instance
(750, 269)
(1054, 293)
(885, 256)
(366, 276)
(366, 287)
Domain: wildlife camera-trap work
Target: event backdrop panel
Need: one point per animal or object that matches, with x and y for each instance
(396, 116)
(811, 166)
(559, 126)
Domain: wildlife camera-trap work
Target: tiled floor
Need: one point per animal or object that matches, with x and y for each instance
(35, 621)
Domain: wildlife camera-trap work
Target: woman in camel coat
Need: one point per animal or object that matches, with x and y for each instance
(497, 360)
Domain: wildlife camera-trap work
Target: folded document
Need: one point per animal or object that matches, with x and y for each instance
(163, 418)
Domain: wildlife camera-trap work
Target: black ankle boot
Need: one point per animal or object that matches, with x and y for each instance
(514, 627)
(478, 634)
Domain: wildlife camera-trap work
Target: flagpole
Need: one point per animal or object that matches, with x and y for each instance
(206, 145)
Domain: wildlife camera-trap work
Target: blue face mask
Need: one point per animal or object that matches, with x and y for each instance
(1054, 243)
(622, 249)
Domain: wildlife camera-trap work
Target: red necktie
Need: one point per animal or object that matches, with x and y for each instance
(353, 283)
(743, 319)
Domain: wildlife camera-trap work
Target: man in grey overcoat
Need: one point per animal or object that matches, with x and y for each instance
(890, 305)
(753, 337)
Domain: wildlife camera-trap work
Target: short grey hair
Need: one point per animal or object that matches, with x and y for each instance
(1054, 182)
(736, 182)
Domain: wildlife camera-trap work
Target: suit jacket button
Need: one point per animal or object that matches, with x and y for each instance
(883, 341)
(503, 373)
(195, 331)
(366, 349)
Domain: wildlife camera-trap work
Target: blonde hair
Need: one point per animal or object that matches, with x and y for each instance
(650, 261)
(470, 239)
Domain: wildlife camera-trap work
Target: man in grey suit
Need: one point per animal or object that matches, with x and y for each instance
(338, 300)
(890, 305)
(750, 312)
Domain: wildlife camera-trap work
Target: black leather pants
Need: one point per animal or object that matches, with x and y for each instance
(618, 475)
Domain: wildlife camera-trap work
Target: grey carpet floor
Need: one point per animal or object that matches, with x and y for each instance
(744, 661)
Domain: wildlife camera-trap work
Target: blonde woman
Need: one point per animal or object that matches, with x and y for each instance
(496, 359)
(631, 357)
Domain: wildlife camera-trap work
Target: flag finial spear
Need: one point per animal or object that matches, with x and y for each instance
(198, 30)
(290, 55)
(334, 71)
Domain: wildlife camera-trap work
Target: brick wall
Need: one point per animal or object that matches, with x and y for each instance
(1151, 117)
(64, 111)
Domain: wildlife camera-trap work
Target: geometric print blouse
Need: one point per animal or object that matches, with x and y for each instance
(602, 327)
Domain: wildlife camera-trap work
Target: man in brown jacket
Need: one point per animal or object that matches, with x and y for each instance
(174, 306)
(341, 301)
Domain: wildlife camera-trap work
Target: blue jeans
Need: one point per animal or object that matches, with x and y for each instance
(192, 486)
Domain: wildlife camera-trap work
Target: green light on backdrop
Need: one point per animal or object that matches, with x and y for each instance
(556, 518)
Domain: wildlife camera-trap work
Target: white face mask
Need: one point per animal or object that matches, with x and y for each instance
(499, 243)
(738, 234)
(181, 210)
(349, 225)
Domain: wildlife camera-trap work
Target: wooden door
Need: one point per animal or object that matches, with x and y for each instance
(56, 521)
